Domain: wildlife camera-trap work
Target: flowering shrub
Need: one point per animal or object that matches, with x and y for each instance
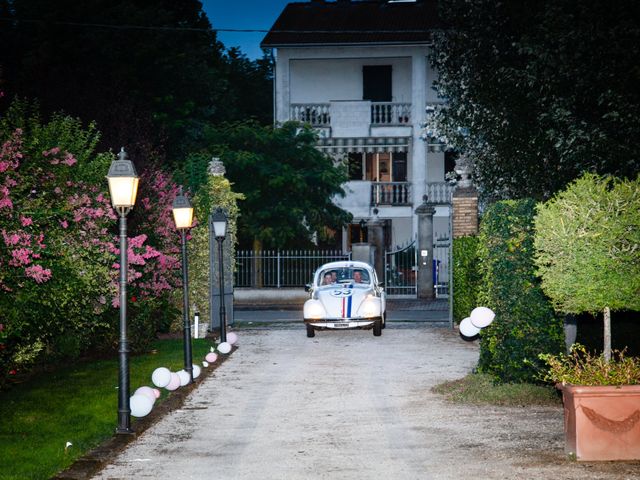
(59, 254)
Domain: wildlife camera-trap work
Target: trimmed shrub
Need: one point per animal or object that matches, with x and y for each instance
(525, 324)
(466, 276)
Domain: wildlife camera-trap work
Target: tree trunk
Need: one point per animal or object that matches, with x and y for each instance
(607, 334)
(258, 280)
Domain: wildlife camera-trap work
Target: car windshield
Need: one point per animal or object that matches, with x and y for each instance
(330, 276)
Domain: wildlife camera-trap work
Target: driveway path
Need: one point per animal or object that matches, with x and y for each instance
(348, 405)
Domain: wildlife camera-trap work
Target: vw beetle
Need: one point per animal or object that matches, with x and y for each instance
(345, 295)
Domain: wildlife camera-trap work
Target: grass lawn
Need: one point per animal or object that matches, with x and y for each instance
(479, 389)
(78, 404)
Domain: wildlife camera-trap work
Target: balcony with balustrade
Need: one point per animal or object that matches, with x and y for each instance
(381, 114)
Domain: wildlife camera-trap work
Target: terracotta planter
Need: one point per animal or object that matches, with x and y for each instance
(602, 423)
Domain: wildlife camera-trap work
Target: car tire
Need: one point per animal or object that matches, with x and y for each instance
(311, 332)
(377, 328)
(384, 320)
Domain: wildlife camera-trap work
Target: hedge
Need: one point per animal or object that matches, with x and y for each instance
(466, 276)
(525, 323)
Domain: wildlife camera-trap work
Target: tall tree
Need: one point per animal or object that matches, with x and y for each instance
(150, 72)
(539, 93)
(288, 185)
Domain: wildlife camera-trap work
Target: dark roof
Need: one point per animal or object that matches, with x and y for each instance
(346, 22)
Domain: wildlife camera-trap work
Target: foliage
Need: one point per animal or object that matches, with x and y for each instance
(466, 276)
(76, 403)
(525, 324)
(287, 183)
(581, 367)
(536, 96)
(481, 389)
(156, 97)
(216, 192)
(588, 245)
(58, 274)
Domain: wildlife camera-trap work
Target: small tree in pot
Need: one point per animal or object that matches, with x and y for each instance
(588, 254)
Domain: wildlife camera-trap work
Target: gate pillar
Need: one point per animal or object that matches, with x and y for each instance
(425, 249)
(375, 229)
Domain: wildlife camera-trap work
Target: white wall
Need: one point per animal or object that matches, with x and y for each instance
(323, 80)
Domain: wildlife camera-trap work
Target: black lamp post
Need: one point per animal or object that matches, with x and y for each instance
(123, 187)
(183, 217)
(362, 225)
(219, 222)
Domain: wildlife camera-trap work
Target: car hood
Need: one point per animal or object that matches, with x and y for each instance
(343, 301)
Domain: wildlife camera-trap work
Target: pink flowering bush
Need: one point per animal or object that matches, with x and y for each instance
(59, 250)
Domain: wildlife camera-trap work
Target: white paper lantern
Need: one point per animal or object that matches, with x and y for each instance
(211, 357)
(174, 383)
(140, 405)
(482, 316)
(196, 371)
(147, 391)
(224, 347)
(468, 329)
(156, 393)
(232, 338)
(184, 377)
(161, 377)
(205, 363)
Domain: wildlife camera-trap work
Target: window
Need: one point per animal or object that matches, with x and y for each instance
(378, 167)
(376, 83)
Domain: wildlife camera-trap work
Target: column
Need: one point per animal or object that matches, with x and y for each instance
(425, 249)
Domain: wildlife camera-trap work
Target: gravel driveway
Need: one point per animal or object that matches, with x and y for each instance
(348, 405)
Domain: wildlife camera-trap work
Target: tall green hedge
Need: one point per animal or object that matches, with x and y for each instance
(525, 323)
(466, 276)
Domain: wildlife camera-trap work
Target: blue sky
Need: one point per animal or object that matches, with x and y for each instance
(243, 14)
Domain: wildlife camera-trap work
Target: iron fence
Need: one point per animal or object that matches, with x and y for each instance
(281, 268)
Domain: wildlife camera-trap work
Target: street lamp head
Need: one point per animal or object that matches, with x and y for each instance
(219, 220)
(123, 182)
(362, 224)
(182, 211)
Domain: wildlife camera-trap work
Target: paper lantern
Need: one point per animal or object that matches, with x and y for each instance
(147, 391)
(140, 405)
(205, 363)
(174, 383)
(482, 316)
(211, 357)
(156, 393)
(468, 329)
(224, 347)
(196, 371)
(184, 377)
(232, 338)
(161, 377)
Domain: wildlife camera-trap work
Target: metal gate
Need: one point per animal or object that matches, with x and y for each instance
(401, 271)
(441, 265)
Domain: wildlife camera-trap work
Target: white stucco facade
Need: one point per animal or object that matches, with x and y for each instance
(398, 166)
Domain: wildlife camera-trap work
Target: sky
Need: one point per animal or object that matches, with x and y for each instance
(243, 15)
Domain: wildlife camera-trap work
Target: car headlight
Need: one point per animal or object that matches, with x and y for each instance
(313, 309)
(370, 307)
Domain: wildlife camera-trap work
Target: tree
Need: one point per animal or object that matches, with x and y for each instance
(588, 248)
(287, 183)
(150, 73)
(539, 94)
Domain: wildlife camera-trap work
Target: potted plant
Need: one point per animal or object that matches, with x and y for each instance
(601, 403)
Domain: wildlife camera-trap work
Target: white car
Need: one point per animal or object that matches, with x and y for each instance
(345, 295)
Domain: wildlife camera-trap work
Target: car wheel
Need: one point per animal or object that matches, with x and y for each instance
(311, 332)
(384, 320)
(377, 328)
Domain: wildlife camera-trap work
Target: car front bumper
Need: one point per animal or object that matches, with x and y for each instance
(341, 323)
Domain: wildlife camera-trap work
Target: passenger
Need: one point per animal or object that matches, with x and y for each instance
(327, 279)
(357, 276)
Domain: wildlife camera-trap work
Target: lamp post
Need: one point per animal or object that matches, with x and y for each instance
(183, 218)
(123, 187)
(362, 225)
(219, 222)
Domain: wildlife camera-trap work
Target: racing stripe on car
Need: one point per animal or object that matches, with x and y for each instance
(349, 302)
